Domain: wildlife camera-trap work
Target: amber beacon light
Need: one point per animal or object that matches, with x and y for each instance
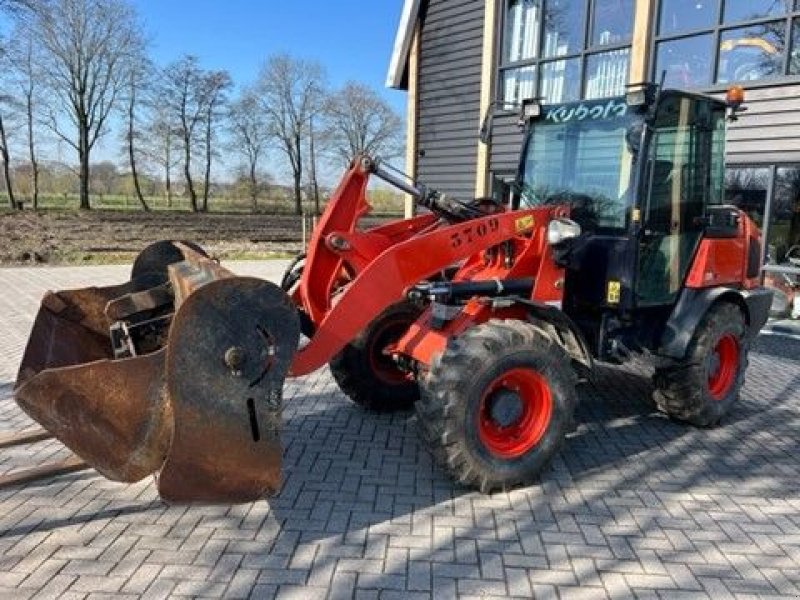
(735, 96)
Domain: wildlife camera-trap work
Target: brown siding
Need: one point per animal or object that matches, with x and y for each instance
(451, 52)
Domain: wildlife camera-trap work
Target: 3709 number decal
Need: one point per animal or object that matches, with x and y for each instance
(470, 233)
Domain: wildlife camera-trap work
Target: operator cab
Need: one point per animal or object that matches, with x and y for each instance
(640, 174)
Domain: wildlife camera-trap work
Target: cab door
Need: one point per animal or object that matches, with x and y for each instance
(685, 158)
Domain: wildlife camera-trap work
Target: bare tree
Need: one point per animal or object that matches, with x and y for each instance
(215, 84)
(22, 65)
(359, 121)
(105, 178)
(16, 7)
(184, 93)
(160, 140)
(291, 92)
(5, 154)
(249, 136)
(138, 75)
(85, 47)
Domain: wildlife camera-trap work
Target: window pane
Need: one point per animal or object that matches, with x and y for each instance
(521, 36)
(685, 15)
(794, 55)
(686, 61)
(561, 81)
(613, 22)
(678, 173)
(746, 10)
(519, 84)
(563, 27)
(607, 73)
(746, 188)
(751, 53)
(784, 230)
(718, 138)
(582, 158)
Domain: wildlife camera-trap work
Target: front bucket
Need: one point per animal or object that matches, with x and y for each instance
(184, 381)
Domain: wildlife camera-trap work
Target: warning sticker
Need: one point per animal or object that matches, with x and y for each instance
(524, 224)
(614, 292)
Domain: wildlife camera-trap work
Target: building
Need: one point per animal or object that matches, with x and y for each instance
(457, 57)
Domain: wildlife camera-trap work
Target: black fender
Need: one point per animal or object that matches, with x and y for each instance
(564, 331)
(693, 306)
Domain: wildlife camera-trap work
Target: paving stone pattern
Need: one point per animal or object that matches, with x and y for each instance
(636, 506)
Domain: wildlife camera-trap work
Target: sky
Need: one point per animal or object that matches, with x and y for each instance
(352, 39)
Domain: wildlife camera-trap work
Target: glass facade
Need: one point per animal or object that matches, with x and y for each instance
(564, 50)
(747, 188)
(702, 43)
(751, 53)
(770, 195)
(783, 237)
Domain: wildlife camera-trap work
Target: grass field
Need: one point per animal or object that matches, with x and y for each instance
(384, 203)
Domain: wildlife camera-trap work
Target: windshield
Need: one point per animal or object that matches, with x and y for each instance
(579, 154)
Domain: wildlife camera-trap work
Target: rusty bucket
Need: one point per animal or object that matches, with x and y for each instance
(178, 373)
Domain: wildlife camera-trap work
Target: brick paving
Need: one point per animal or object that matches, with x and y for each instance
(636, 506)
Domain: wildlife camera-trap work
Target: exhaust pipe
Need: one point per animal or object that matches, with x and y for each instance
(177, 373)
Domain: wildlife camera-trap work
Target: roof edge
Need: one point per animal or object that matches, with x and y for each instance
(402, 43)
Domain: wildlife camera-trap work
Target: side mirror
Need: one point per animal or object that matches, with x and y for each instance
(487, 125)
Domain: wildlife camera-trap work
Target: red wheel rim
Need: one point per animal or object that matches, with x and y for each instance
(723, 367)
(383, 366)
(535, 411)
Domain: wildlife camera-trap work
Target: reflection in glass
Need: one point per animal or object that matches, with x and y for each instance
(678, 16)
(736, 11)
(519, 84)
(563, 27)
(794, 55)
(613, 22)
(521, 36)
(561, 81)
(687, 61)
(607, 73)
(751, 53)
(784, 229)
(746, 188)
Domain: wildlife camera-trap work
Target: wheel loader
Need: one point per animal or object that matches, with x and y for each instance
(483, 315)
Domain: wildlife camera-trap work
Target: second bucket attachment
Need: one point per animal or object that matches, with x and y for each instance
(180, 379)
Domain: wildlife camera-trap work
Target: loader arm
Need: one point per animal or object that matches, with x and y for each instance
(385, 280)
(337, 251)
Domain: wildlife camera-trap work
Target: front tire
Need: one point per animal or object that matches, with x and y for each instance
(702, 388)
(369, 377)
(497, 404)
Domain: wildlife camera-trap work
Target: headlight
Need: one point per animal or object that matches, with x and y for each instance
(561, 230)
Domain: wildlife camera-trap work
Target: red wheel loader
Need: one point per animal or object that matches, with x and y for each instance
(482, 315)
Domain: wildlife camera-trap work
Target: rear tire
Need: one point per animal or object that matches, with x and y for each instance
(366, 375)
(701, 388)
(497, 404)
(289, 282)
